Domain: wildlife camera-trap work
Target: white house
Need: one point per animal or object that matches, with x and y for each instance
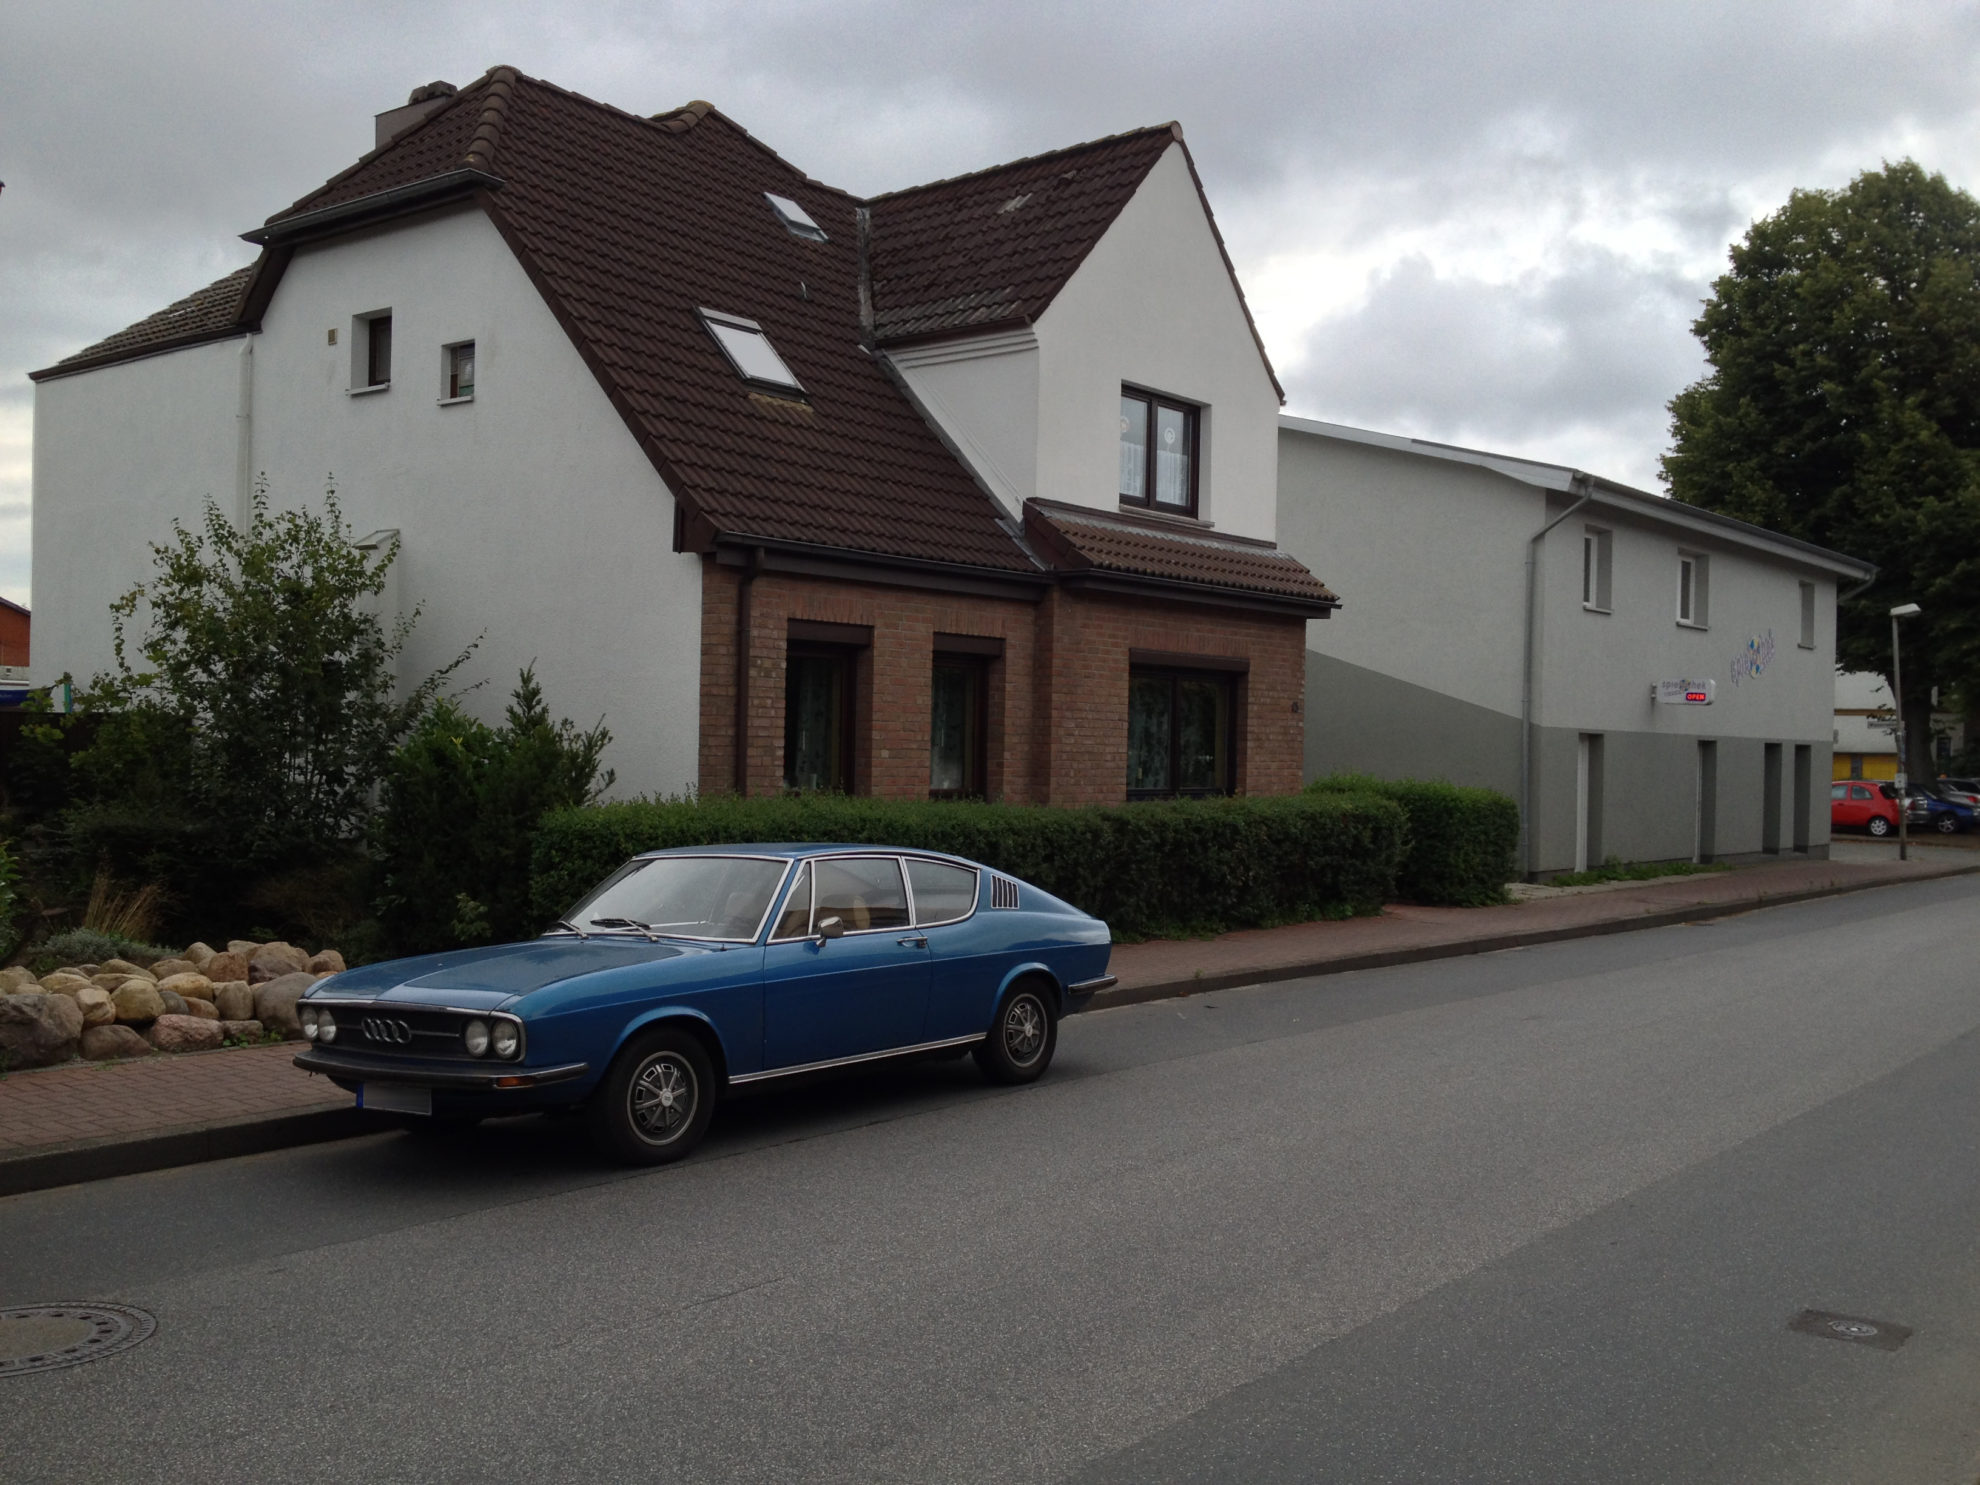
(1509, 623)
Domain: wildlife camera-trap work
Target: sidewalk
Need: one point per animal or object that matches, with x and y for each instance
(87, 1122)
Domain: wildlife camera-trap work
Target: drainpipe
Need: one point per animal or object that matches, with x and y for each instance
(1579, 483)
(742, 671)
(244, 436)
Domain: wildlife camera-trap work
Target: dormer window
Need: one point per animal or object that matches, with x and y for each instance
(797, 221)
(1158, 453)
(749, 351)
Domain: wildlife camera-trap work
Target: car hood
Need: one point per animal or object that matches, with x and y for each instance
(481, 979)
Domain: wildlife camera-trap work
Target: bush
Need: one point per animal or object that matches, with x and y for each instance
(1182, 866)
(10, 903)
(87, 946)
(1462, 841)
(462, 803)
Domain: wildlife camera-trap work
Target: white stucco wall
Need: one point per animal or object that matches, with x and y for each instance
(529, 517)
(981, 393)
(1154, 306)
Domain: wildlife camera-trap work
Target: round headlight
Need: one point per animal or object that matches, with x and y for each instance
(307, 1015)
(326, 1027)
(508, 1039)
(475, 1034)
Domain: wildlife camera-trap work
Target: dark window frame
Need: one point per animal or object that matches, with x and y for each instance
(1193, 419)
(847, 657)
(377, 350)
(1229, 681)
(976, 728)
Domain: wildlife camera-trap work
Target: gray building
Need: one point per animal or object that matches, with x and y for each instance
(1508, 623)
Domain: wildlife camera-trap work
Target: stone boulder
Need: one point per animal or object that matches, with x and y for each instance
(95, 1006)
(235, 1000)
(101, 1043)
(65, 982)
(244, 947)
(224, 967)
(204, 1009)
(240, 1031)
(329, 962)
(183, 1034)
(111, 979)
(15, 980)
(197, 955)
(125, 967)
(85, 970)
(175, 1003)
(38, 1029)
(272, 961)
(164, 969)
(191, 985)
(275, 1003)
(137, 1002)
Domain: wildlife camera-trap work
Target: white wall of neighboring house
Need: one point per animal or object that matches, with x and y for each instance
(529, 518)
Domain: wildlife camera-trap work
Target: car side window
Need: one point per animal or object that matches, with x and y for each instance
(863, 891)
(942, 893)
(1839, 791)
(795, 920)
(1857, 791)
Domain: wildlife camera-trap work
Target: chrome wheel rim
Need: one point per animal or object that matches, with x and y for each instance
(662, 1098)
(1024, 1030)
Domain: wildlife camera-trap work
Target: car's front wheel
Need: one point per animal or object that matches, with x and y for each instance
(656, 1102)
(1022, 1038)
(1879, 825)
(1948, 824)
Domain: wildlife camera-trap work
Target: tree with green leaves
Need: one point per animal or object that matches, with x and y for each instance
(1843, 407)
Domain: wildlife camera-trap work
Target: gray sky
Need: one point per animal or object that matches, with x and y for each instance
(1485, 224)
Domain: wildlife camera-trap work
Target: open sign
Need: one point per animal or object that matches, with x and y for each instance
(1685, 692)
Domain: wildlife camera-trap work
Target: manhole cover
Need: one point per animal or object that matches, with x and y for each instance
(40, 1338)
(1882, 1334)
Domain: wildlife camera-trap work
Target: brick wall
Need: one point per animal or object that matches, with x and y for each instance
(1056, 724)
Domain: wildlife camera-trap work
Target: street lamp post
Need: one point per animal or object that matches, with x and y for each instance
(1902, 611)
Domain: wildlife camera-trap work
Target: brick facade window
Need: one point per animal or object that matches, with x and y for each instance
(818, 715)
(956, 732)
(1180, 732)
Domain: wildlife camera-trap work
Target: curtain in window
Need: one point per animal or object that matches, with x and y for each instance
(948, 730)
(814, 723)
(1171, 457)
(1134, 449)
(1148, 733)
(1202, 724)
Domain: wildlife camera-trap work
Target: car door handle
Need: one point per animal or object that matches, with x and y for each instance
(917, 942)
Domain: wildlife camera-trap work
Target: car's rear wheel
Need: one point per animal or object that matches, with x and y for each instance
(656, 1102)
(1879, 825)
(1948, 824)
(1022, 1037)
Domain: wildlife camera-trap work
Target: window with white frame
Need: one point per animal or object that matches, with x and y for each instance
(1808, 616)
(1596, 564)
(749, 351)
(457, 368)
(1692, 587)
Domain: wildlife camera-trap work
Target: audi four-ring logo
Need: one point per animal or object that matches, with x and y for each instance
(379, 1029)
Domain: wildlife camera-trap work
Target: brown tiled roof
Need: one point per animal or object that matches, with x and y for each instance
(1076, 539)
(202, 315)
(997, 246)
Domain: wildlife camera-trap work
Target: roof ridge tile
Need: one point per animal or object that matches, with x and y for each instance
(1172, 128)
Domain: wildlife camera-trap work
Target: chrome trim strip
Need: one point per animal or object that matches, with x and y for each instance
(477, 1076)
(333, 1002)
(787, 1072)
(1084, 987)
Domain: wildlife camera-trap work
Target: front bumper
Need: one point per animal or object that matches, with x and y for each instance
(356, 1067)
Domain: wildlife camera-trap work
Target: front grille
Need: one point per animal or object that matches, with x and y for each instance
(399, 1031)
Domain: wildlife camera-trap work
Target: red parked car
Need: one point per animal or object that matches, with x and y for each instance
(1855, 805)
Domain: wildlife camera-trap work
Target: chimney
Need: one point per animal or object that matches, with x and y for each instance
(395, 121)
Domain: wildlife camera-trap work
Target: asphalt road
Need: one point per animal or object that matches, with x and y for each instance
(1538, 1215)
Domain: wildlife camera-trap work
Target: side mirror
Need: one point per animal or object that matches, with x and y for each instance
(831, 927)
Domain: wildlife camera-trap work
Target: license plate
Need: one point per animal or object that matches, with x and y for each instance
(395, 1098)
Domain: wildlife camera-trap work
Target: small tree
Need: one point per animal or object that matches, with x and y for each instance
(262, 703)
(461, 805)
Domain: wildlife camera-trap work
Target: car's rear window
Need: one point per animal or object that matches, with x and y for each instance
(942, 893)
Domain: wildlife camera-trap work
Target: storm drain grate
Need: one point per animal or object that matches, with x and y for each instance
(1882, 1334)
(41, 1338)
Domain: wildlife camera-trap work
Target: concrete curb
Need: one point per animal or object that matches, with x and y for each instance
(98, 1160)
(1457, 948)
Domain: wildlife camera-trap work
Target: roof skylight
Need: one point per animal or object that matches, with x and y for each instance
(797, 221)
(749, 350)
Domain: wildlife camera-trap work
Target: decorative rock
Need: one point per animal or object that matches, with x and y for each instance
(198, 954)
(175, 1003)
(16, 980)
(204, 1009)
(95, 1006)
(54, 982)
(235, 1000)
(241, 1031)
(183, 1034)
(328, 962)
(188, 985)
(137, 1001)
(275, 1003)
(164, 969)
(125, 967)
(244, 947)
(85, 970)
(224, 967)
(101, 1043)
(272, 961)
(111, 979)
(38, 1029)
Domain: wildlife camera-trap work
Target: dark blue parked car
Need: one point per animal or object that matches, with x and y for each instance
(693, 972)
(1926, 809)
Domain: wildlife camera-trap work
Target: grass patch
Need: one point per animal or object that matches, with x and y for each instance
(1635, 871)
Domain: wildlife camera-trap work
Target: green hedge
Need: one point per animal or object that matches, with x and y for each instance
(1462, 841)
(1178, 866)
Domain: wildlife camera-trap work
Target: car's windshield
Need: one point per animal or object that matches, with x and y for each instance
(712, 897)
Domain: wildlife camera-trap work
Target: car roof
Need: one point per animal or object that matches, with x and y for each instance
(801, 850)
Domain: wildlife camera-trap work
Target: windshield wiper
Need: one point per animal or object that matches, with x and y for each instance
(569, 926)
(632, 923)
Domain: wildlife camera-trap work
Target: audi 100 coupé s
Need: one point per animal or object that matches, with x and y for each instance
(691, 973)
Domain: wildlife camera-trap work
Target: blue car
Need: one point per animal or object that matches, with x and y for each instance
(691, 973)
(1927, 809)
